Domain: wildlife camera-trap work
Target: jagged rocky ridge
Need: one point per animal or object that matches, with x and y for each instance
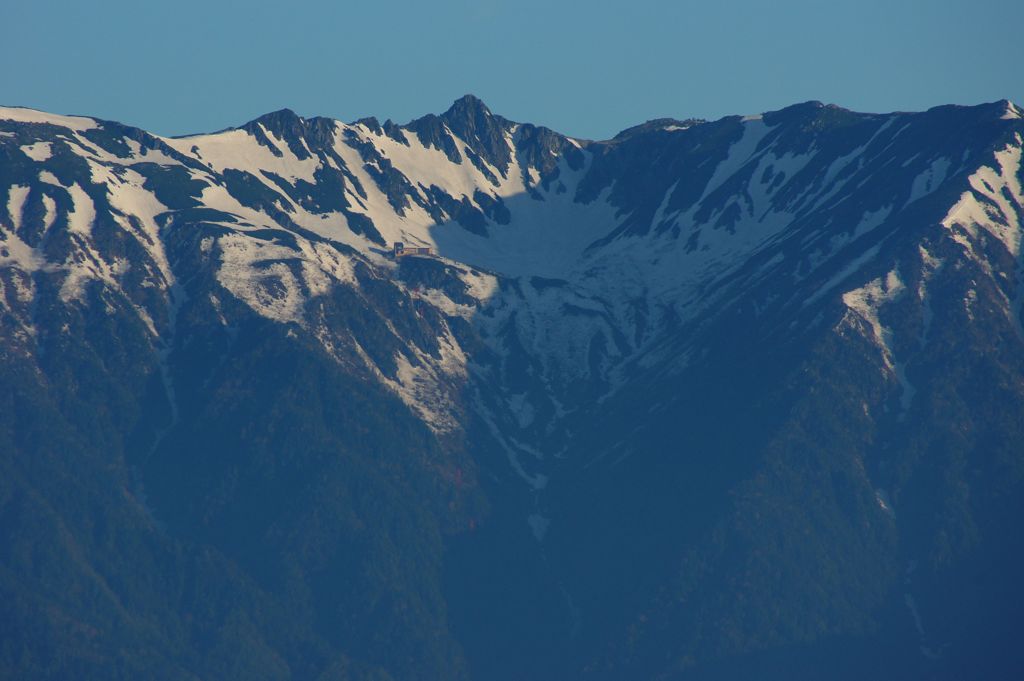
(701, 399)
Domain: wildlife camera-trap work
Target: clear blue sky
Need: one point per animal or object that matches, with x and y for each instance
(584, 68)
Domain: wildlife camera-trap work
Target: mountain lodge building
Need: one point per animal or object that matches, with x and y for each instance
(400, 250)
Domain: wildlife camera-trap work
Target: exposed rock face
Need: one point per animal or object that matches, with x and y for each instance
(706, 400)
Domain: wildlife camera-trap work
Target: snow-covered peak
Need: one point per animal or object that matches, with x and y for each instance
(672, 217)
(26, 115)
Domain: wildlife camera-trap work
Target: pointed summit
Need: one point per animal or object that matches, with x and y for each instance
(467, 106)
(470, 119)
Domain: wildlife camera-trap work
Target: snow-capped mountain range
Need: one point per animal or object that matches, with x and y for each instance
(587, 307)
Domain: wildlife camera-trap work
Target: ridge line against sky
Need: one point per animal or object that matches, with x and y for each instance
(307, 116)
(189, 67)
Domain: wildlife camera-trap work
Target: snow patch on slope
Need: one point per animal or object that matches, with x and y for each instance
(929, 179)
(263, 275)
(83, 215)
(754, 130)
(16, 196)
(428, 385)
(238, 150)
(992, 204)
(866, 302)
(38, 151)
(16, 253)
